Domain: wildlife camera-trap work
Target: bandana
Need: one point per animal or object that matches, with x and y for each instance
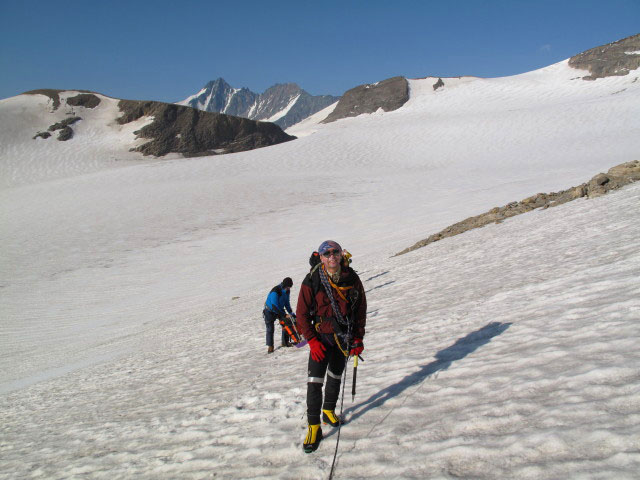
(328, 245)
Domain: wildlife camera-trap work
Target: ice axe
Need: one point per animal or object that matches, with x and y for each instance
(355, 375)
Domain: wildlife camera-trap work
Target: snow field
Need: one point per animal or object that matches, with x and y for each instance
(506, 352)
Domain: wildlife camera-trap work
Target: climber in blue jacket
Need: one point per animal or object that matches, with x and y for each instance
(276, 307)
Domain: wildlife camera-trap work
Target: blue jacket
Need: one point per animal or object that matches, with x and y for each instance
(278, 300)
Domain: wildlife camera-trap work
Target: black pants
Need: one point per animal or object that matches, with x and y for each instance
(269, 320)
(332, 365)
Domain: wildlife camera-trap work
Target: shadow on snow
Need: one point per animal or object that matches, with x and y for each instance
(444, 358)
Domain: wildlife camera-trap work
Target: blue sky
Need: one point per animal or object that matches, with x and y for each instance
(167, 50)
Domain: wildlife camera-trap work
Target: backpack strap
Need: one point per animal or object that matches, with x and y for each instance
(353, 296)
(278, 290)
(316, 285)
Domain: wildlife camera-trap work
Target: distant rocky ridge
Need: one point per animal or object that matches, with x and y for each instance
(175, 128)
(192, 132)
(388, 95)
(601, 184)
(282, 104)
(617, 58)
(54, 95)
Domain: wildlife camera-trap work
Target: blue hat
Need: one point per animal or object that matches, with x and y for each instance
(328, 245)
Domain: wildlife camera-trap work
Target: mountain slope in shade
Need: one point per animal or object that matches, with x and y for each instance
(282, 104)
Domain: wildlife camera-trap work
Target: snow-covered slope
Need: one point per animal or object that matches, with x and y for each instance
(119, 295)
(507, 352)
(310, 124)
(99, 141)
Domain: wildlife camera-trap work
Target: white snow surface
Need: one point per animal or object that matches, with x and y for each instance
(310, 124)
(132, 342)
(284, 111)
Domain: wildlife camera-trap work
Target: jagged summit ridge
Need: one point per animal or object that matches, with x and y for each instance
(283, 104)
(220, 97)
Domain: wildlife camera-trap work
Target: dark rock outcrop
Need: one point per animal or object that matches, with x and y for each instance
(601, 184)
(617, 58)
(438, 84)
(64, 124)
(389, 95)
(86, 100)
(193, 132)
(43, 135)
(65, 132)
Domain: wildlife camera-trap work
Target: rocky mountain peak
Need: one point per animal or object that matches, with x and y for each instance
(283, 103)
(217, 83)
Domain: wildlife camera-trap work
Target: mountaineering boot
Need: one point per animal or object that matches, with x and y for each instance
(313, 438)
(330, 417)
(270, 350)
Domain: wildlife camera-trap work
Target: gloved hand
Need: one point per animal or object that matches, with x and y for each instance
(356, 347)
(317, 349)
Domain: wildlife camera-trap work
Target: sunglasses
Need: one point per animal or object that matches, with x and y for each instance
(328, 253)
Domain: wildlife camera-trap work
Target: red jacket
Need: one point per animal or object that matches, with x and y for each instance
(308, 325)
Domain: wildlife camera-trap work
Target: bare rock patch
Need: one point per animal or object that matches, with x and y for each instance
(614, 59)
(86, 100)
(602, 183)
(65, 132)
(388, 95)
